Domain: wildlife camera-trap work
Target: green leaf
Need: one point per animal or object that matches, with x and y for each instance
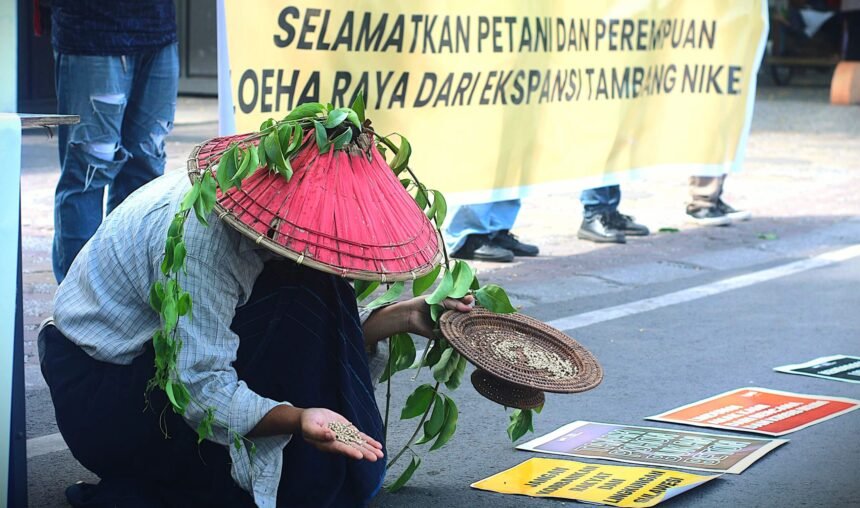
(267, 124)
(198, 211)
(177, 225)
(436, 311)
(447, 365)
(495, 299)
(405, 182)
(178, 257)
(457, 376)
(401, 355)
(156, 294)
(177, 395)
(306, 110)
(342, 139)
(441, 207)
(358, 106)
(322, 137)
(435, 353)
(521, 422)
(284, 132)
(169, 312)
(364, 288)
(335, 118)
(417, 402)
(204, 428)
(167, 261)
(352, 117)
(207, 193)
(389, 296)
(276, 156)
(401, 160)
(443, 289)
(768, 236)
(244, 169)
(298, 136)
(475, 284)
(423, 283)
(449, 426)
(237, 441)
(667, 230)
(261, 152)
(463, 277)
(227, 168)
(190, 197)
(184, 304)
(434, 424)
(421, 197)
(405, 475)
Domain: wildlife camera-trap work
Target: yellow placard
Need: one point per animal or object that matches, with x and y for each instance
(593, 483)
(507, 94)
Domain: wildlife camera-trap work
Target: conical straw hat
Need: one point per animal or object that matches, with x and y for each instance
(343, 212)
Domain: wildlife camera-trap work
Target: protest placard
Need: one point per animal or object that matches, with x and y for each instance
(592, 483)
(652, 446)
(488, 90)
(837, 367)
(760, 410)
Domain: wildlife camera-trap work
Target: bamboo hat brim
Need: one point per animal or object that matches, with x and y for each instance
(342, 212)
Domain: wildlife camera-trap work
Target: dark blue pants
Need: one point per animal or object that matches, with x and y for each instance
(600, 200)
(300, 341)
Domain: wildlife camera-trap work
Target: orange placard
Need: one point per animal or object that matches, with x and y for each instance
(759, 410)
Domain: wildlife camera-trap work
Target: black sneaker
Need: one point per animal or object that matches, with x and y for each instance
(480, 248)
(709, 216)
(599, 229)
(627, 225)
(731, 213)
(506, 240)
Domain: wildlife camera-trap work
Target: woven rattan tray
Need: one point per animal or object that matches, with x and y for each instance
(521, 350)
(507, 394)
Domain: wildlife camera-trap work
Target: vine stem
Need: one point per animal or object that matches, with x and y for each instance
(408, 444)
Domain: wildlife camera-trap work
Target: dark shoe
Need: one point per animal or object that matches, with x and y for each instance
(480, 248)
(710, 216)
(731, 213)
(627, 225)
(598, 229)
(506, 240)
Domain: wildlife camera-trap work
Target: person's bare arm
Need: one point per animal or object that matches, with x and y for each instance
(410, 316)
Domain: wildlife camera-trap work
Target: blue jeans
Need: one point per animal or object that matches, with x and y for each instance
(126, 104)
(600, 200)
(480, 219)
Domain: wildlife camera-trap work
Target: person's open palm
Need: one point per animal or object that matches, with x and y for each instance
(315, 430)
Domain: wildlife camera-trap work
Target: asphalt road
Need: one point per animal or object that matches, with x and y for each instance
(666, 358)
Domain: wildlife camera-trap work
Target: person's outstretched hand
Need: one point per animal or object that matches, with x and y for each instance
(315, 430)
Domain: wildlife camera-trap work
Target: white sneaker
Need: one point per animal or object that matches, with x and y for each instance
(732, 214)
(711, 216)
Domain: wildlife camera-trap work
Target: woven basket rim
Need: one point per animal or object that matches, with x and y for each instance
(514, 326)
(194, 172)
(506, 393)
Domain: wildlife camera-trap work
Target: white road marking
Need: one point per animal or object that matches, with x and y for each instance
(54, 442)
(694, 293)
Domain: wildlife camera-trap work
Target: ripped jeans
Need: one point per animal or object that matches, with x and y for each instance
(126, 104)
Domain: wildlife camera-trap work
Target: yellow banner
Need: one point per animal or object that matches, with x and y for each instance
(593, 483)
(506, 94)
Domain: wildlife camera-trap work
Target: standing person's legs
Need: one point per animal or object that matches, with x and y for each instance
(598, 206)
(706, 207)
(91, 153)
(468, 235)
(148, 120)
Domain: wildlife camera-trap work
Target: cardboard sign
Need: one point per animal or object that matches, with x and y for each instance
(699, 451)
(837, 367)
(592, 483)
(759, 410)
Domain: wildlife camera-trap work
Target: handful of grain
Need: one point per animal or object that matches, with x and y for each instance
(346, 433)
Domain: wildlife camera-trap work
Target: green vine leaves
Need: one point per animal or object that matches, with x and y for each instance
(273, 146)
(452, 279)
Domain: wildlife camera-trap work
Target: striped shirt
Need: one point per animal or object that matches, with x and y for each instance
(102, 306)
